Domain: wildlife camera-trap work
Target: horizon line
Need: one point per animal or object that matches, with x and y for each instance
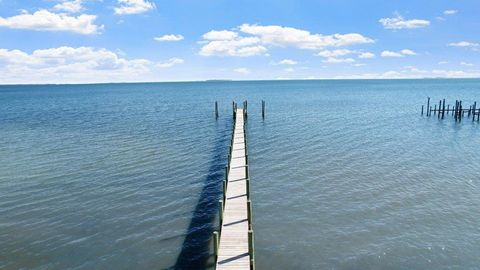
(240, 80)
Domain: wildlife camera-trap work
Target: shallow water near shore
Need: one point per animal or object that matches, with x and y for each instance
(345, 174)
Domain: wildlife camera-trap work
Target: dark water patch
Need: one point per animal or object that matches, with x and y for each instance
(195, 251)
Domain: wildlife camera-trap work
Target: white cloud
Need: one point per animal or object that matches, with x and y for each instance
(220, 35)
(411, 72)
(256, 38)
(408, 52)
(69, 65)
(44, 20)
(133, 6)
(289, 70)
(466, 64)
(400, 23)
(366, 55)
(334, 53)
(243, 71)
(288, 62)
(288, 36)
(401, 53)
(333, 60)
(72, 6)
(455, 73)
(241, 46)
(170, 63)
(450, 12)
(359, 65)
(391, 54)
(169, 38)
(414, 69)
(464, 44)
(443, 62)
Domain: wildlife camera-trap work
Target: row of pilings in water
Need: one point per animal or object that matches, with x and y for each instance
(458, 110)
(245, 105)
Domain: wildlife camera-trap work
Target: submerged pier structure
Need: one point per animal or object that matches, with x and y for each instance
(458, 110)
(234, 242)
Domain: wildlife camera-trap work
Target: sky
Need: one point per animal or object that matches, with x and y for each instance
(96, 41)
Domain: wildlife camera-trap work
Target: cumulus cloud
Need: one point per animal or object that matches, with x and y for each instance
(414, 69)
(391, 54)
(247, 40)
(44, 20)
(455, 73)
(366, 55)
(72, 6)
(466, 64)
(170, 62)
(69, 65)
(133, 6)
(464, 44)
(220, 35)
(288, 62)
(333, 60)
(243, 71)
(334, 53)
(400, 23)
(239, 46)
(413, 72)
(401, 53)
(169, 38)
(408, 52)
(450, 12)
(289, 36)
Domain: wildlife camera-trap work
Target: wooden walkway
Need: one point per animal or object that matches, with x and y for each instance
(235, 234)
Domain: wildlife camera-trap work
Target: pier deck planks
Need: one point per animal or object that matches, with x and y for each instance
(233, 248)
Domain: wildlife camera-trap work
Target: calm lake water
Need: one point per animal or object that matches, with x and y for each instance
(345, 175)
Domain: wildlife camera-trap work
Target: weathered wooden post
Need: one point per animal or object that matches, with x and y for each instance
(435, 110)
(224, 190)
(249, 214)
(473, 109)
(428, 106)
(216, 243)
(216, 109)
(263, 109)
(460, 110)
(422, 110)
(233, 110)
(439, 108)
(455, 115)
(220, 212)
(251, 249)
(443, 110)
(448, 108)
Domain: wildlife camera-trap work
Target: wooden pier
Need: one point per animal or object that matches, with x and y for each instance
(233, 243)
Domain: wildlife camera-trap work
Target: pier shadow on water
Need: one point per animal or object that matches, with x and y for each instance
(195, 253)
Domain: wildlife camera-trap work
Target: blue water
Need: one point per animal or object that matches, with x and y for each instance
(345, 175)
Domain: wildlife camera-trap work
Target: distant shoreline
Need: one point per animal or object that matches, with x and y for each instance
(231, 80)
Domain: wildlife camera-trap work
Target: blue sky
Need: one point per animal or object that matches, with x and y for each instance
(87, 41)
